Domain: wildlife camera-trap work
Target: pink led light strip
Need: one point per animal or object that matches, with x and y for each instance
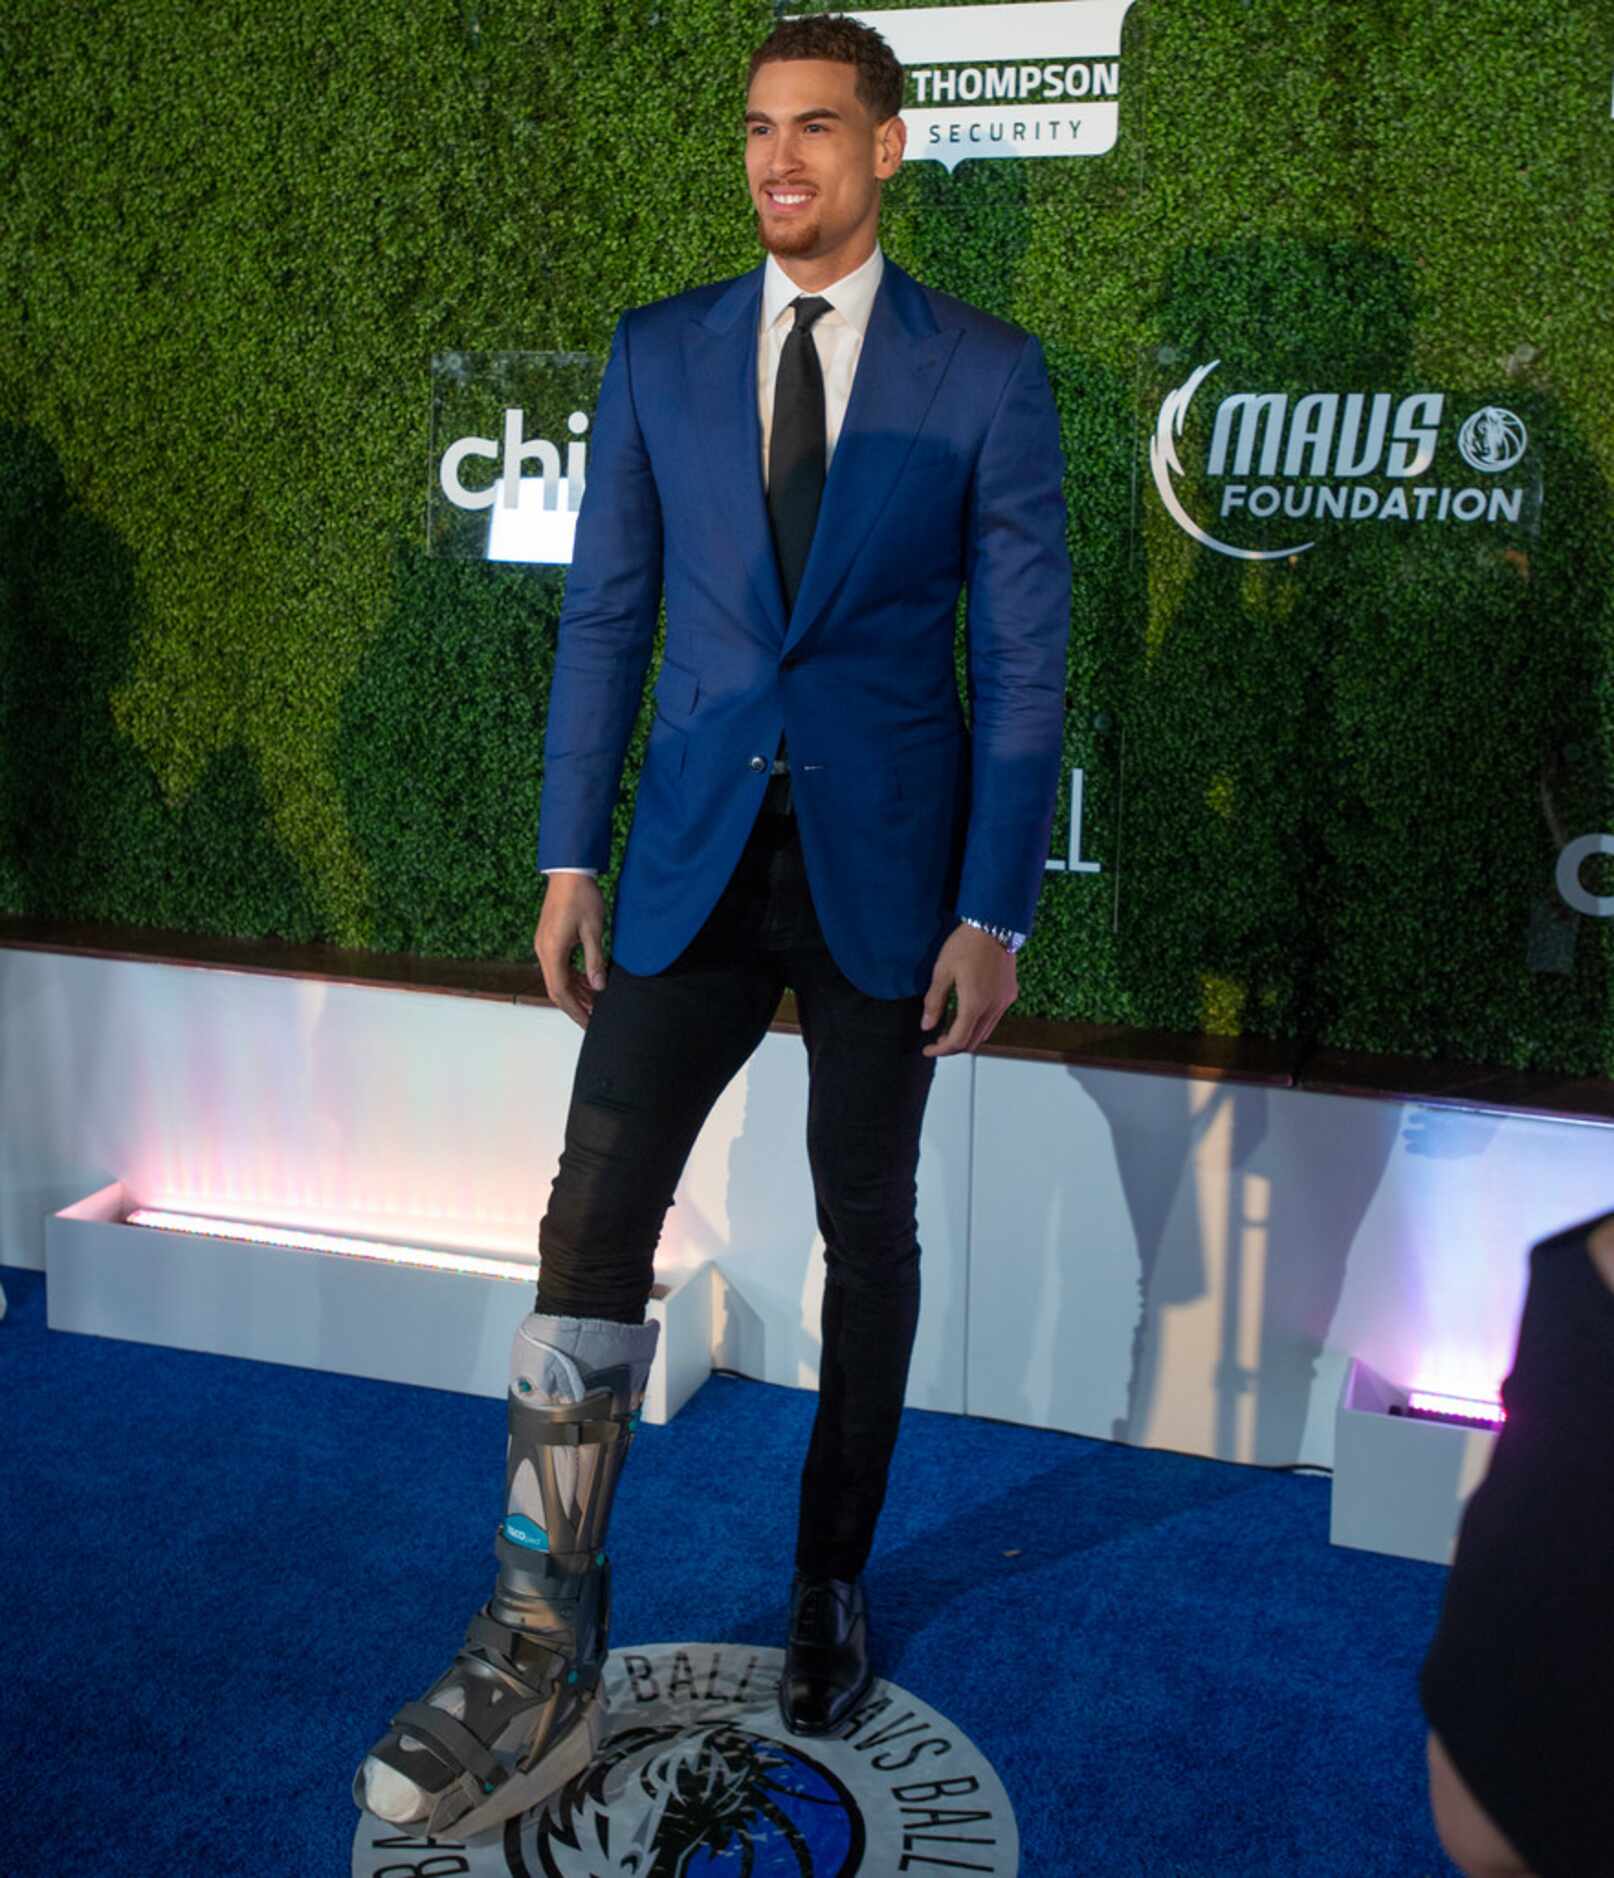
(1425, 1402)
(381, 1251)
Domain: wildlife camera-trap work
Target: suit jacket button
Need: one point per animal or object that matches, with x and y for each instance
(759, 762)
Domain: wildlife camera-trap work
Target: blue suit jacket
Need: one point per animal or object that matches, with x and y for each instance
(947, 471)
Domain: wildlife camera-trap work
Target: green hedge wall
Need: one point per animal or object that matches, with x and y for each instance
(237, 696)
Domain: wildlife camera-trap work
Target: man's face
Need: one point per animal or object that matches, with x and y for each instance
(815, 157)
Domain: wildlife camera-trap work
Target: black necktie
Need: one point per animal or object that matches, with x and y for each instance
(797, 453)
(796, 447)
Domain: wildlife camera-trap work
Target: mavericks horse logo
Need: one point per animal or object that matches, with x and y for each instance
(1492, 439)
(673, 1802)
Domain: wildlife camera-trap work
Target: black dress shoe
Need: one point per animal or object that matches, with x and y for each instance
(827, 1671)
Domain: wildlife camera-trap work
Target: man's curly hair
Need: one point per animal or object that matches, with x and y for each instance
(831, 36)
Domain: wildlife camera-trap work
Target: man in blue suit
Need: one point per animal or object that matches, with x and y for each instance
(807, 463)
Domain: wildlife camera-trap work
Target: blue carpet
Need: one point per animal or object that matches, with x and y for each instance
(219, 1578)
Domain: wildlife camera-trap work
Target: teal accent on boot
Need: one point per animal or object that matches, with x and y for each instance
(522, 1531)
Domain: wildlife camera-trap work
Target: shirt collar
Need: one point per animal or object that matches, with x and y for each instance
(852, 296)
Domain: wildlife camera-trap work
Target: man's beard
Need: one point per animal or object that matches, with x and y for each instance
(788, 235)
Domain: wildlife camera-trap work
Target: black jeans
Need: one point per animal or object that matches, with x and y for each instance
(657, 1053)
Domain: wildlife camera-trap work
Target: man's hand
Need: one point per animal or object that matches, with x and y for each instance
(987, 984)
(573, 916)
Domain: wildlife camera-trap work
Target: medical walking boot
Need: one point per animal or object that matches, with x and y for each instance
(520, 1708)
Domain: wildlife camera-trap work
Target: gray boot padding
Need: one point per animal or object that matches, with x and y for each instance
(523, 1711)
(562, 1469)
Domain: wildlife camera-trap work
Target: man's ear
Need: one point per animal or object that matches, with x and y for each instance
(891, 141)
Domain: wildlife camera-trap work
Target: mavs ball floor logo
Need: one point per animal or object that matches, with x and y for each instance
(700, 1778)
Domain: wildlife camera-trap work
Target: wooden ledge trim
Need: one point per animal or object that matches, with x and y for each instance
(507, 981)
(1547, 1093)
(1153, 1052)
(1257, 1060)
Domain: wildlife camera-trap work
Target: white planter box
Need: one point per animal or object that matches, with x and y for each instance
(323, 1310)
(1400, 1485)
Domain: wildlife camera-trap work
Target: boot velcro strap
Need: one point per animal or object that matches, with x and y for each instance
(558, 1567)
(557, 1425)
(574, 1434)
(459, 1745)
(487, 1633)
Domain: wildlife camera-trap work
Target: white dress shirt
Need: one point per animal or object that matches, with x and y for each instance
(838, 335)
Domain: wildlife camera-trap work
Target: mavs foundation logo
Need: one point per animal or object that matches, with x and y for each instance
(1040, 78)
(1291, 463)
(700, 1777)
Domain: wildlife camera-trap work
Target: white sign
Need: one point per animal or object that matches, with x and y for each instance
(1037, 78)
(533, 518)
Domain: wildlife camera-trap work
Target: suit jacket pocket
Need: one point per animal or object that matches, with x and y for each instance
(677, 689)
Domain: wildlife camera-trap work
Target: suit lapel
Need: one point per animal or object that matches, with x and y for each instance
(720, 359)
(903, 361)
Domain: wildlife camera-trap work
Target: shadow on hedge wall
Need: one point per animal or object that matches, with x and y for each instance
(440, 755)
(1303, 725)
(84, 831)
